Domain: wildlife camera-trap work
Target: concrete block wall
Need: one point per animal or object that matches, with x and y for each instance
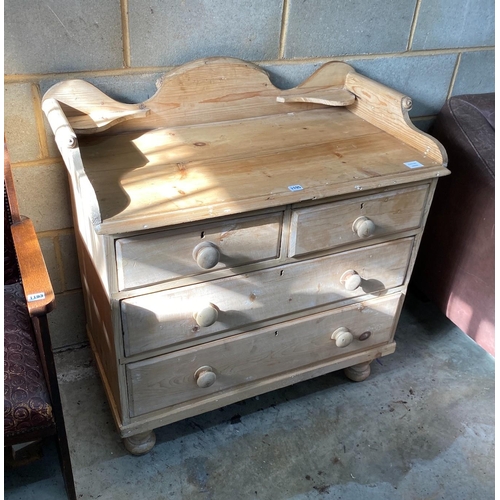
(427, 49)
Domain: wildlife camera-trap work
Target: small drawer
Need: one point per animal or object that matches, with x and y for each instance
(236, 303)
(166, 255)
(222, 365)
(332, 225)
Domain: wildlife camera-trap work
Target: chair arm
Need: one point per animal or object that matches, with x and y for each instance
(35, 278)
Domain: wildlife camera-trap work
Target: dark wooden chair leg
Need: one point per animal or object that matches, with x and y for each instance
(61, 437)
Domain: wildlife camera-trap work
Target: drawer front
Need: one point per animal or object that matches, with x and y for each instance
(167, 318)
(225, 364)
(167, 255)
(332, 225)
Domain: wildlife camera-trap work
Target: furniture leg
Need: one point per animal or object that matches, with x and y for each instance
(140, 444)
(358, 373)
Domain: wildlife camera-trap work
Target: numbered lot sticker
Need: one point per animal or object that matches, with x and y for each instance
(413, 164)
(296, 187)
(36, 296)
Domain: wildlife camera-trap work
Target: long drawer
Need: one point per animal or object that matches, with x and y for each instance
(171, 317)
(222, 365)
(167, 255)
(340, 223)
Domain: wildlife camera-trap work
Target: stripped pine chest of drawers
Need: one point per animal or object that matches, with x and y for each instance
(235, 238)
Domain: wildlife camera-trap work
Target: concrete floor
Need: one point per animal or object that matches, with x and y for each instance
(420, 427)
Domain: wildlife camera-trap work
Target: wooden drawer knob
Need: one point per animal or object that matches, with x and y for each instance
(205, 377)
(342, 336)
(206, 255)
(351, 280)
(363, 227)
(207, 315)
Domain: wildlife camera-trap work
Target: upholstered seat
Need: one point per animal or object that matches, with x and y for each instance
(27, 406)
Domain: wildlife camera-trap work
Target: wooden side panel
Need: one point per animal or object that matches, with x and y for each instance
(221, 89)
(331, 225)
(87, 109)
(418, 238)
(203, 91)
(98, 308)
(388, 109)
(169, 380)
(167, 318)
(167, 255)
(100, 324)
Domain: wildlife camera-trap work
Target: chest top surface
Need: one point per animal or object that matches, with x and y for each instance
(218, 138)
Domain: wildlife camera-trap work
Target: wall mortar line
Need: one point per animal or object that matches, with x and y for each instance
(387, 55)
(40, 126)
(54, 233)
(38, 163)
(125, 33)
(413, 25)
(284, 29)
(32, 78)
(73, 291)
(454, 75)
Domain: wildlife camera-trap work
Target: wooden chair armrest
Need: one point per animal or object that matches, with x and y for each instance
(36, 282)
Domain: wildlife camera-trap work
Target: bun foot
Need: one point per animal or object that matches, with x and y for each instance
(358, 373)
(140, 444)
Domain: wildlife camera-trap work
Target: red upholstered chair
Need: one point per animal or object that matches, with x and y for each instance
(455, 267)
(32, 404)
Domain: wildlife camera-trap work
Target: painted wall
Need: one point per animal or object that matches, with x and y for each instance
(427, 49)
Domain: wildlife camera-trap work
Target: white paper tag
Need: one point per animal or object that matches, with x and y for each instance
(297, 187)
(413, 164)
(36, 296)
